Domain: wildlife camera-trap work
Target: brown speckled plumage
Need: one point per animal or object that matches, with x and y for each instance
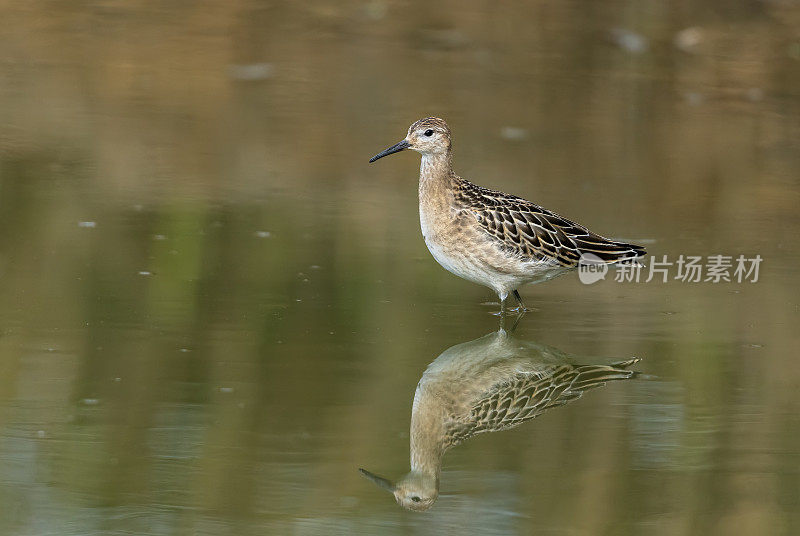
(489, 237)
(526, 394)
(490, 384)
(530, 231)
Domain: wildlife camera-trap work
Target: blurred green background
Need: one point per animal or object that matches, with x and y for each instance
(213, 310)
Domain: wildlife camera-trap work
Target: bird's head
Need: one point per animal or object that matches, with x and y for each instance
(427, 136)
(415, 491)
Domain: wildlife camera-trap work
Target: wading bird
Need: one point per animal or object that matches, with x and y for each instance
(494, 239)
(490, 384)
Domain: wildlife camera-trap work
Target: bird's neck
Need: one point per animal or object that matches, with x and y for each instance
(427, 436)
(435, 175)
(426, 454)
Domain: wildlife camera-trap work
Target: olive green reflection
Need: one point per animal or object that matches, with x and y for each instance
(489, 384)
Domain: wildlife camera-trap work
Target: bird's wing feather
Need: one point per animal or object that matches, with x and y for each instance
(527, 394)
(532, 232)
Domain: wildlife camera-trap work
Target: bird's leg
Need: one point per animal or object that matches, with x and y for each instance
(521, 307)
(502, 297)
(513, 327)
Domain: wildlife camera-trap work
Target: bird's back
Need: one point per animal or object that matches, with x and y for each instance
(497, 382)
(525, 230)
(530, 391)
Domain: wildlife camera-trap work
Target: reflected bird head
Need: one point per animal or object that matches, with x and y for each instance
(415, 491)
(427, 136)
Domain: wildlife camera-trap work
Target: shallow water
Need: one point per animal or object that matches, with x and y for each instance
(214, 311)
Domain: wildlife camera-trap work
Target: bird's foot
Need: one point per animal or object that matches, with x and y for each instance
(512, 311)
(521, 310)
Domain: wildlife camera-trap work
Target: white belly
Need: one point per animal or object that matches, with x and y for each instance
(470, 253)
(479, 263)
(460, 265)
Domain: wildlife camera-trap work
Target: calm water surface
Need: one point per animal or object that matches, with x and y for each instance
(213, 310)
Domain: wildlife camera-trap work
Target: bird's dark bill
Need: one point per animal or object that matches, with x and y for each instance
(378, 480)
(396, 148)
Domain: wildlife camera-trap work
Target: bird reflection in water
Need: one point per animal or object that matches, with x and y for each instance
(489, 384)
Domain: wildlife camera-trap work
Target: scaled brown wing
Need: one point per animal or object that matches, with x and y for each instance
(529, 231)
(528, 394)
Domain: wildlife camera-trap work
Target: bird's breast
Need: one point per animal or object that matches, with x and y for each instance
(450, 240)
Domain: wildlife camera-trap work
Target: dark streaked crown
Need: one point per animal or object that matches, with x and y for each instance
(432, 122)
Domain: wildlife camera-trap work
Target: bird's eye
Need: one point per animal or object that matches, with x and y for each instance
(415, 498)
(428, 133)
